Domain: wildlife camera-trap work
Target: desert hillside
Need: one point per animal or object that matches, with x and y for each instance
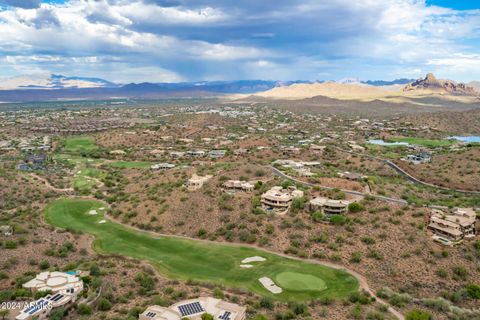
(416, 92)
(327, 89)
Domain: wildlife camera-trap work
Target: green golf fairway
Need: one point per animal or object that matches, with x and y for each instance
(300, 282)
(78, 144)
(131, 164)
(188, 259)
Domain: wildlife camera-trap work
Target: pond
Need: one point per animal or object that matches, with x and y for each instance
(466, 139)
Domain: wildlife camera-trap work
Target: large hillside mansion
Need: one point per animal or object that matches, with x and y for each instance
(279, 200)
(194, 308)
(64, 287)
(328, 206)
(451, 227)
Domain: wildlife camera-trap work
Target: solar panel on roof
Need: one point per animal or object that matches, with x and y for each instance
(40, 304)
(54, 297)
(151, 314)
(191, 308)
(58, 297)
(225, 316)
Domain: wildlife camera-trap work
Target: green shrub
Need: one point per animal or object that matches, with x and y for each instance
(104, 304)
(267, 303)
(317, 216)
(207, 316)
(418, 315)
(44, 265)
(338, 219)
(10, 244)
(355, 207)
(84, 309)
(473, 291)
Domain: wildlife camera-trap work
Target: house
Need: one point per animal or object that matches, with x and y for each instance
(290, 150)
(36, 159)
(196, 153)
(237, 185)
(418, 158)
(304, 172)
(240, 151)
(65, 288)
(216, 154)
(351, 176)
(157, 152)
(6, 230)
(279, 200)
(194, 308)
(117, 152)
(328, 206)
(162, 165)
(185, 140)
(452, 227)
(196, 182)
(317, 149)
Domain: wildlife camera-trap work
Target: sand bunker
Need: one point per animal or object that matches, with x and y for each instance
(246, 266)
(102, 221)
(270, 285)
(253, 259)
(92, 212)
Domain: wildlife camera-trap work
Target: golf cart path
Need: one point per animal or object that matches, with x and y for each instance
(49, 185)
(362, 281)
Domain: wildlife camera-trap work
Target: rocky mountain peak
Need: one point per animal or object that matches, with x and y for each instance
(430, 82)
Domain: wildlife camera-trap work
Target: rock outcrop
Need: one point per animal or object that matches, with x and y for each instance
(430, 82)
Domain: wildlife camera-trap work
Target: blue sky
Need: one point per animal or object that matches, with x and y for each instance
(191, 40)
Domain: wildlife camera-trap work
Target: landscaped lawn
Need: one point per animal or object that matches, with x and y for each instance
(78, 144)
(202, 261)
(429, 143)
(131, 164)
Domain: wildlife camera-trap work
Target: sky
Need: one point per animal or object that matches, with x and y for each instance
(204, 40)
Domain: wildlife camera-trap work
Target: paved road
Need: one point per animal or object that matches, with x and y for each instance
(352, 192)
(418, 181)
(406, 174)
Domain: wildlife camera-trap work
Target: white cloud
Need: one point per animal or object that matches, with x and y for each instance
(284, 38)
(153, 14)
(459, 62)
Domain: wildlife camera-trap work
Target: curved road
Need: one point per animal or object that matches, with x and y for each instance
(407, 175)
(352, 192)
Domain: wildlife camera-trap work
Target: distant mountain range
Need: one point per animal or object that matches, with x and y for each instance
(56, 87)
(375, 83)
(351, 89)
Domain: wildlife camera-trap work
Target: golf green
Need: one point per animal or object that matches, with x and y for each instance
(188, 259)
(300, 282)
